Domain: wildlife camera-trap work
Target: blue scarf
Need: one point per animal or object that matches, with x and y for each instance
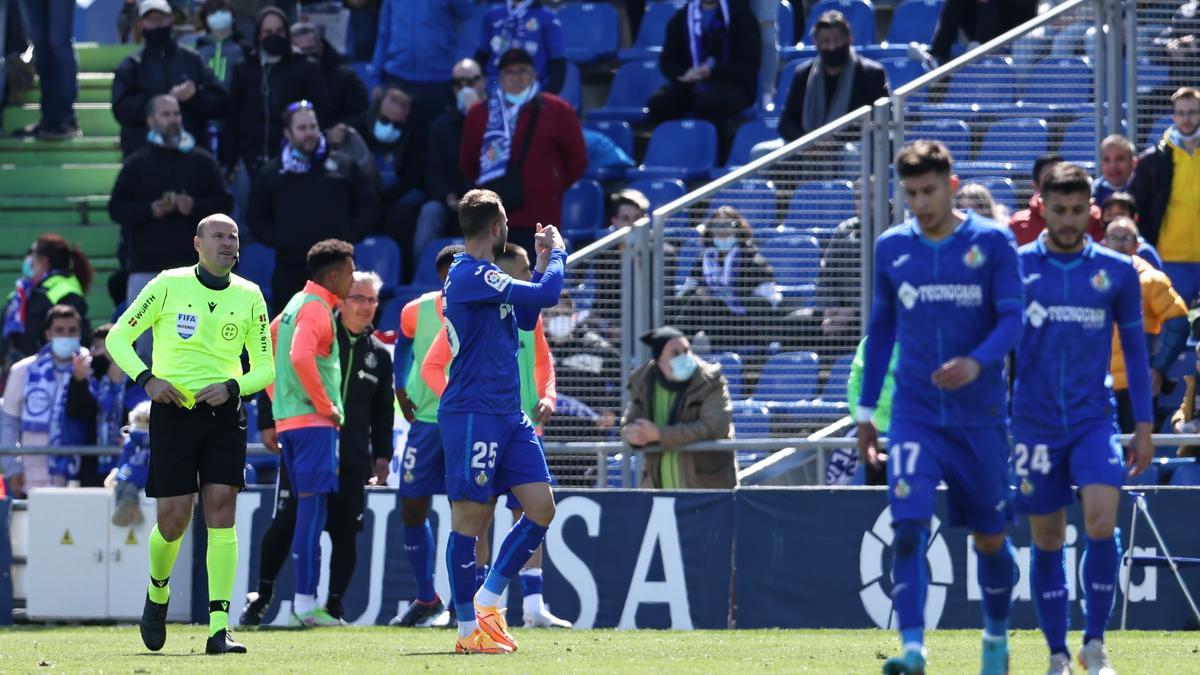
(45, 406)
(292, 160)
(184, 145)
(719, 275)
(497, 148)
(14, 310)
(509, 28)
(135, 458)
(709, 42)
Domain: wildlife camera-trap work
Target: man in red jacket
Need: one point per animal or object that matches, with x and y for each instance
(1029, 223)
(530, 174)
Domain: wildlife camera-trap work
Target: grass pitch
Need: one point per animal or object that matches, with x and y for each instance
(377, 649)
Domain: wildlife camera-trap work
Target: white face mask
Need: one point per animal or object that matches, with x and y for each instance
(219, 21)
(519, 97)
(64, 347)
(560, 326)
(724, 244)
(683, 367)
(465, 98)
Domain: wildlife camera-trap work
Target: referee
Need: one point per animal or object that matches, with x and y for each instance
(201, 318)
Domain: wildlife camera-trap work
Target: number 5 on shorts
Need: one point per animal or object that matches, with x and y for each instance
(483, 455)
(1024, 463)
(904, 456)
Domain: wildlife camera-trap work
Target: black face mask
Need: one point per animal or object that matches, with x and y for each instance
(157, 37)
(836, 58)
(275, 45)
(100, 365)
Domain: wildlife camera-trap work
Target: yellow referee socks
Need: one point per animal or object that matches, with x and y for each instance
(162, 561)
(222, 567)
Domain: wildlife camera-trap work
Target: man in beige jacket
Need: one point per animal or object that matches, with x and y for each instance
(676, 399)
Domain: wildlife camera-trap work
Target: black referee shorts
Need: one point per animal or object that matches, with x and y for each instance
(345, 507)
(192, 448)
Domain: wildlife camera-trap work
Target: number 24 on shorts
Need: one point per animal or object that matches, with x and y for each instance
(1023, 462)
(483, 455)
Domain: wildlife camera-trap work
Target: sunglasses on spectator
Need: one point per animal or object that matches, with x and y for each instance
(467, 81)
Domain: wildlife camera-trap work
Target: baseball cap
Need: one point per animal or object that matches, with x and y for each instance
(515, 57)
(148, 6)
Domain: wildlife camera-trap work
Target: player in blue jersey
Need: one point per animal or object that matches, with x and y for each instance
(1064, 416)
(489, 443)
(948, 289)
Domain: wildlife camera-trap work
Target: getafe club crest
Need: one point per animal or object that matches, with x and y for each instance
(974, 257)
(481, 479)
(902, 489)
(1100, 281)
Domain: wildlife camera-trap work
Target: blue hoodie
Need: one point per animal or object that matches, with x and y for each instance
(418, 39)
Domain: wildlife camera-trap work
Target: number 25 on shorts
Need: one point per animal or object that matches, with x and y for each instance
(483, 455)
(1038, 462)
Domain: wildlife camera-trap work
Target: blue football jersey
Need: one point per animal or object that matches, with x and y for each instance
(484, 308)
(942, 300)
(1071, 304)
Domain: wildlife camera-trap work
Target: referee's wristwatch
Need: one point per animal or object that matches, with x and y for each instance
(234, 388)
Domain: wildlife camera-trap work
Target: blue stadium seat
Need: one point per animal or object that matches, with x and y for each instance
(660, 191)
(618, 131)
(785, 24)
(1003, 190)
(631, 88)
(748, 135)
(426, 274)
(389, 317)
(382, 256)
(796, 260)
(788, 377)
(582, 210)
(687, 252)
(1188, 474)
(751, 419)
(256, 263)
(839, 375)
(1157, 130)
(470, 31)
(987, 86)
(731, 368)
(902, 70)
(821, 204)
(914, 21)
(1058, 84)
(786, 74)
(1009, 148)
(651, 32)
(572, 91)
(859, 13)
(754, 198)
(954, 133)
(593, 31)
(679, 149)
(1079, 141)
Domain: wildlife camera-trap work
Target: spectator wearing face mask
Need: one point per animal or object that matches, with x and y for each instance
(347, 93)
(58, 274)
(676, 399)
(587, 370)
(163, 67)
(217, 40)
(399, 151)
(271, 77)
(444, 179)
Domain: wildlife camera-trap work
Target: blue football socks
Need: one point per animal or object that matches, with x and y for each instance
(418, 546)
(1099, 585)
(1048, 581)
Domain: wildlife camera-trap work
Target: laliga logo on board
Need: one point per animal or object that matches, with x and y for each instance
(877, 601)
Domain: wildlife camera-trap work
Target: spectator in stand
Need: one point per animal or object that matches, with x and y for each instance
(979, 21)
(306, 195)
(837, 293)
(1166, 186)
(1176, 50)
(417, 42)
(444, 179)
(1184, 420)
(1028, 223)
(676, 399)
(58, 274)
(264, 84)
(162, 67)
(587, 369)
(346, 91)
(626, 207)
(162, 191)
(33, 413)
(399, 152)
(978, 198)
(526, 145)
(1118, 158)
(1165, 321)
(710, 59)
(1123, 205)
(836, 82)
(50, 29)
(525, 25)
(730, 293)
(217, 41)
